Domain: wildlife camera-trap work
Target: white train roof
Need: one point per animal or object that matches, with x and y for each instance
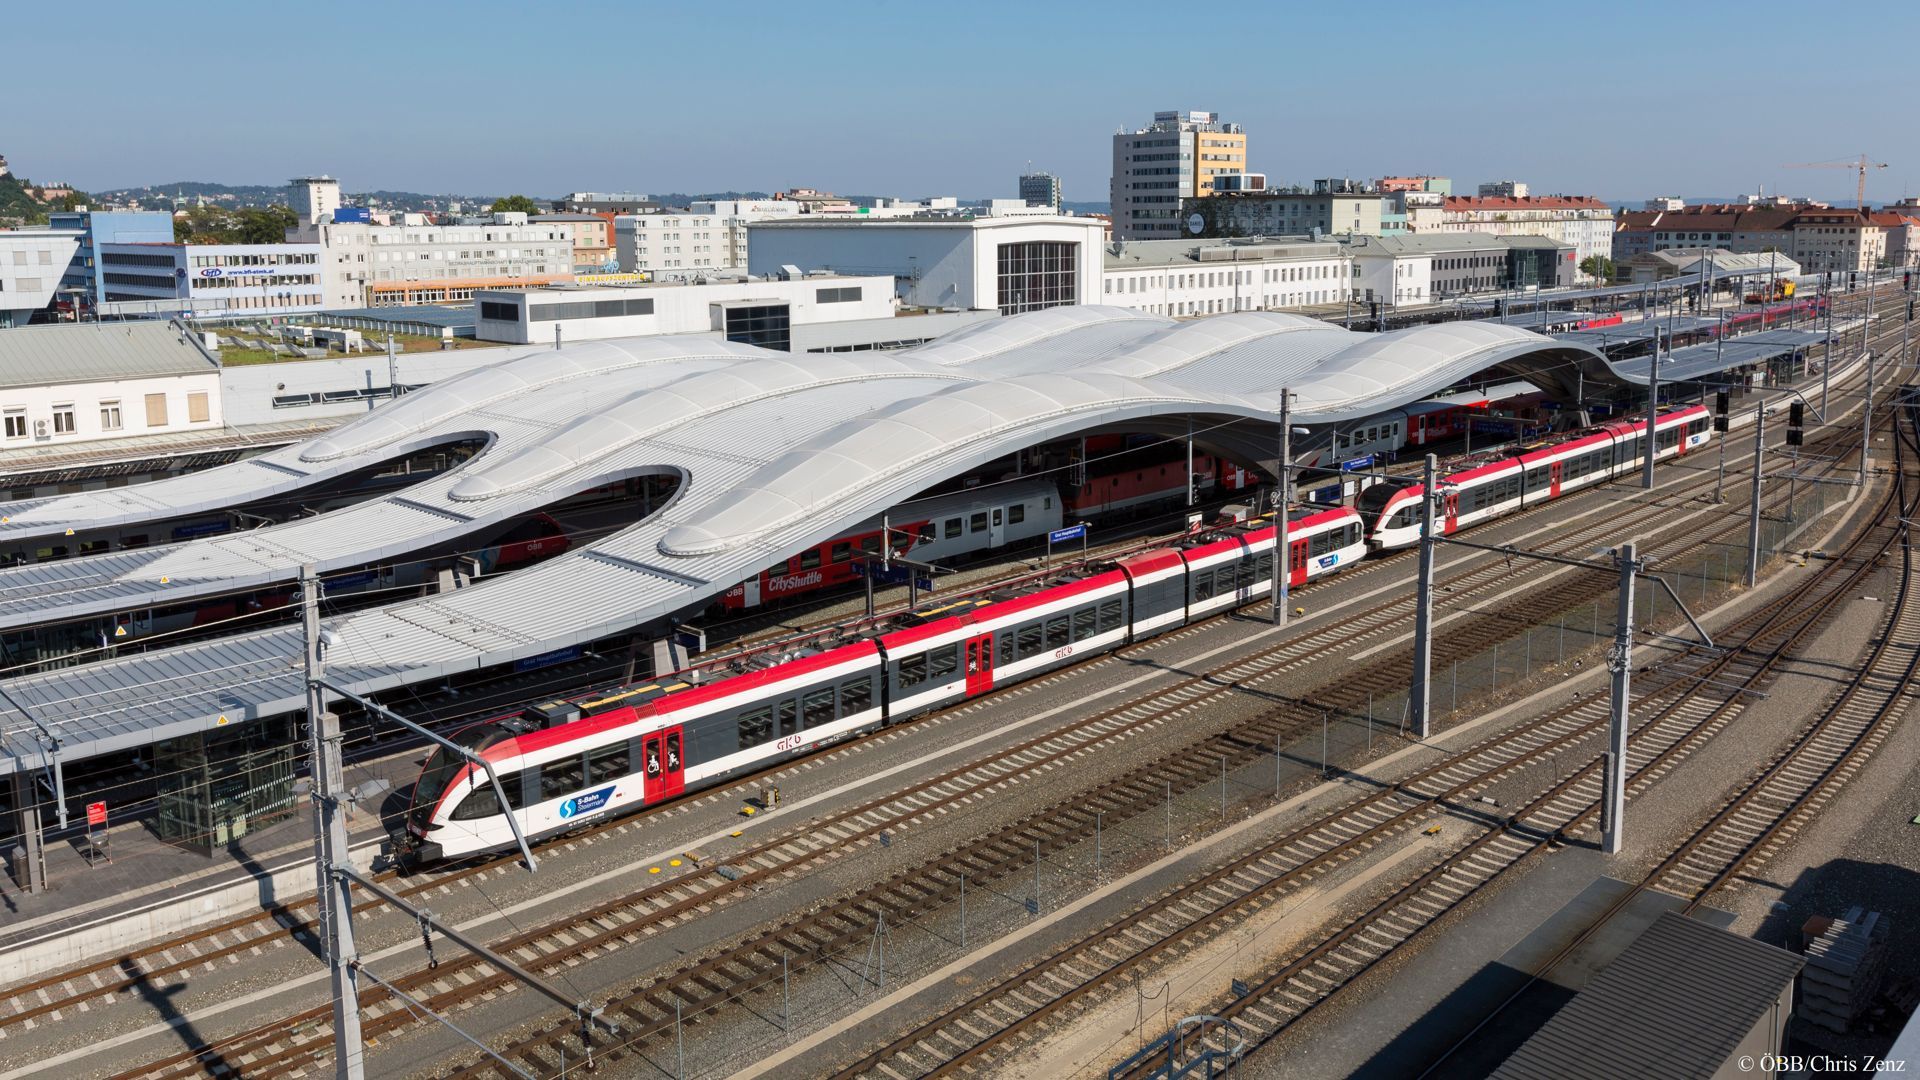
(774, 452)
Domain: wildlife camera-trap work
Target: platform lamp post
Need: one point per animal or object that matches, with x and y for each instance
(330, 842)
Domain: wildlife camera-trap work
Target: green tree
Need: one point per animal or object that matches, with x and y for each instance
(265, 224)
(1598, 266)
(508, 204)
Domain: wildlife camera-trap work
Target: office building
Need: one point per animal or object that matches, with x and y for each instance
(593, 250)
(1427, 268)
(211, 281)
(1503, 189)
(706, 236)
(32, 263)
(764, 311)
(1181, 278)
(315, 198)
(1580, 220)
(96, 227)
(1284, 213)
(1838, 240)
(1734, 227)
(1008, 264)
(1433, 185)
(1041, 189)
(605, 202)
(414, 262)
(1664, 203)
(1175, 158)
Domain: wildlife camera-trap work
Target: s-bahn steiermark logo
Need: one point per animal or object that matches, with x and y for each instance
(586, 803)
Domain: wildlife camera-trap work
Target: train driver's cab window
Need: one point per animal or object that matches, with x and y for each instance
(929, 532)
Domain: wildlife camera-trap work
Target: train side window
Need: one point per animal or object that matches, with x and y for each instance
(1057, 630)
(943, 662)
(480, 802)
(870, 543)
(93, 547)
(1112, 614)
(842, 551)
(1243, 574)
(563, 777)
(1085, 622)
(1203, 584)
(1029, 640)
(818, 707)
(810, 559)
(756, 727)
(952, 528)
(1263, 566)
(978, 522)
(1006, 647)
(913, 671)
(137, 540)
(1016, 513)
(856, 696)
(996, 515)
(49, 554)
(609, 763)
(1046, 503)
(929, 531)
(788, 712)
(777, 569)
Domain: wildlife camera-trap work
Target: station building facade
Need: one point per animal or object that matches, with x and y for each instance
(1009, 264)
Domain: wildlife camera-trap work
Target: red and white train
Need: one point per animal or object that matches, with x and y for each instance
(567, 764)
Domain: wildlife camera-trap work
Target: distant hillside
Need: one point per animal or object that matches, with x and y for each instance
(189, 192)
(16, 208)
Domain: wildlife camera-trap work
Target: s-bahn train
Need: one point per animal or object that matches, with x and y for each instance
(568, 764)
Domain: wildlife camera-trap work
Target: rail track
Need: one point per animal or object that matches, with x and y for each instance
(232, 940)
(1687, 707)
(669, 902)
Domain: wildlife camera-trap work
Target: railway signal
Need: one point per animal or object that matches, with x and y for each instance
(1721, 400)
(1796, 420)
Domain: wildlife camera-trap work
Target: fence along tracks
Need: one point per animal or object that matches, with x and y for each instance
(1690, 701)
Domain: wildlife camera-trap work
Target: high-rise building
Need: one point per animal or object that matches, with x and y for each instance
(315, 198)
(1176, 157)
(1504, 189)
(1040, 189)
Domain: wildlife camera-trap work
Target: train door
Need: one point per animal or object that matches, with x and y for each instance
(1450, 506)
(997, 529)
(1554, 472)
(980, 662)
(1297, 561)
(751, 594)
(666, 765)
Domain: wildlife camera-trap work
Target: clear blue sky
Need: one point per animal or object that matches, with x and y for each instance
(908, 99)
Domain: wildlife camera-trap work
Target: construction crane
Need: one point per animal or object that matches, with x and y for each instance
(1861, 166)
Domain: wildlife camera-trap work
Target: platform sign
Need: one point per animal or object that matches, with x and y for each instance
(96, 814)
(1356, 464)
(547, 659)
(882, 575)
(1071, 532)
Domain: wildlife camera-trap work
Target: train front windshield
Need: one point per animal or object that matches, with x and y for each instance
(1373, 499)
(439, 771)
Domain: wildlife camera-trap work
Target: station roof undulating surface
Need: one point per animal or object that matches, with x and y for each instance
(774, 452)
